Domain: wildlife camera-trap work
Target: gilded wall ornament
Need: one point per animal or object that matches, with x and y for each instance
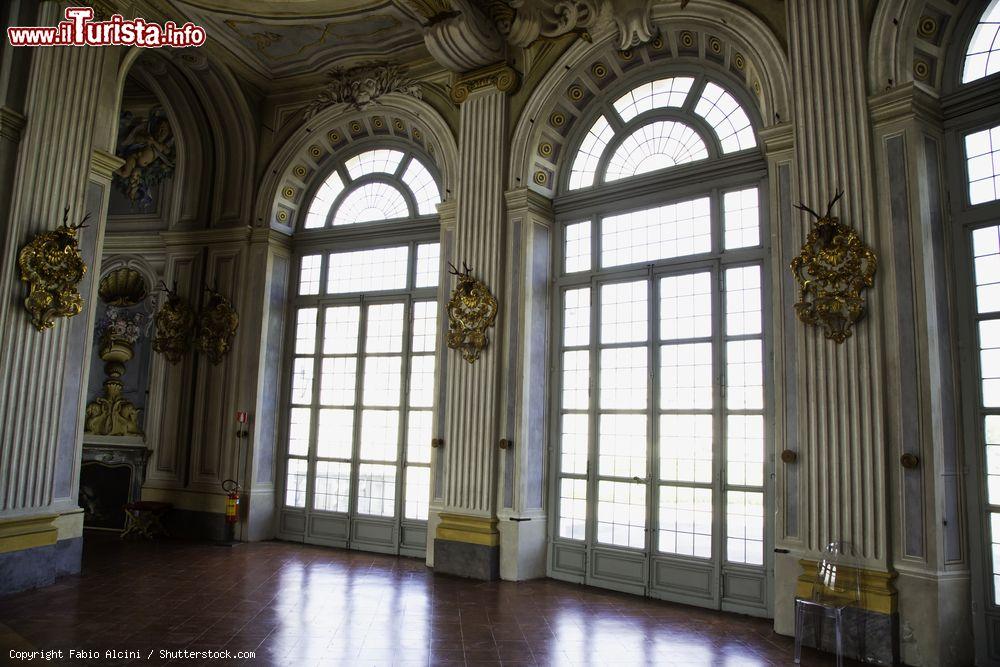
(216, 328)
(832, 269)
(471, 310)
(52, 266)
(174, 326)
(360, 86)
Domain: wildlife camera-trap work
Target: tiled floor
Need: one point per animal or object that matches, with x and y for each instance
(300, 605)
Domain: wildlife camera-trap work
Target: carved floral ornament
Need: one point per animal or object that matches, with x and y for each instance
(52, 266)
(832, 269)
(360, 86)
(471, 310)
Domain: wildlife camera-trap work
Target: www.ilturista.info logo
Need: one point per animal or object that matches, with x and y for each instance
(80, 30)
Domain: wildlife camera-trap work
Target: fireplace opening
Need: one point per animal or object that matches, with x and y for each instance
(104, 492)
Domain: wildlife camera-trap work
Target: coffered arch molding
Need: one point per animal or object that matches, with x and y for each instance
(312, 148)
(712, 35)
(916, 42)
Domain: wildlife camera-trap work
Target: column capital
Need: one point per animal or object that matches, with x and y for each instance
(501, 76)
(103, 164)
(526, 200)
(11, 124)
(778, 138)
(905, 102)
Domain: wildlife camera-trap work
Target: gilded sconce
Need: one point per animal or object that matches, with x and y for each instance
(832, 269)
(471, 310)
(174, 326)
(217, 325)
(52, 266)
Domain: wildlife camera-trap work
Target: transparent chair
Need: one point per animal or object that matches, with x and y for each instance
(837, 587)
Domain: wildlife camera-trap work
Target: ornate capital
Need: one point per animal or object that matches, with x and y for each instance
(501, 76)
(523, 22)
(361, 86)
(463, 39)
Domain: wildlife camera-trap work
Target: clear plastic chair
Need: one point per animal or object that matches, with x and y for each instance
(838, 587)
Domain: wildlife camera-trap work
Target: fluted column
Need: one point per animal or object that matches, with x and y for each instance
(840, 389)
(39, 396)
(466, 539)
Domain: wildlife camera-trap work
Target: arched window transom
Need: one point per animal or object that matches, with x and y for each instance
(372, 186)
(665, 123)
(982, 58)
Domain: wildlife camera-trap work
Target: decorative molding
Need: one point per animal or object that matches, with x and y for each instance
(464, 39)
(360, 86)
(525, 22)
(903, 102)
(11, 124)
(468, 529)
(502, 77)
(21, 533)
(104, 164)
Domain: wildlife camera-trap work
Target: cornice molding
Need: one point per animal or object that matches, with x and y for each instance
(11, 124)
(501, 76)
(907, 101)
(777, 138)
(104, 164)
(524, 200)
(207, 236)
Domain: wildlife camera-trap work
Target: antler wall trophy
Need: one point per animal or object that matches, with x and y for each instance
(470, 311)
(832, 269)
(52, 266)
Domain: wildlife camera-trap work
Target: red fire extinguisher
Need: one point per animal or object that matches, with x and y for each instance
(232, 490)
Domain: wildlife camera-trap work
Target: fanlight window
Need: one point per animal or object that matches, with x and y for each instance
(375, 185)
(983, 55)
(652, 143)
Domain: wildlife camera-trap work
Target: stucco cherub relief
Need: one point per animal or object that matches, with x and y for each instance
(146, 143)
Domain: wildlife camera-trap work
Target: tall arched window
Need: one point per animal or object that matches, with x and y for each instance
(362, 359)
(659, 469)
(973, 125)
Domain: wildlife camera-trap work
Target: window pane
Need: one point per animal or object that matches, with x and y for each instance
(577, 255)
(727, 118)
(305, 331)
(573, 443)
(376, 489)
(623, 312)
(319, 209)
(573, 509)
(686, 448)
(686, 380)
(338, 381)
(982, 152)
(621, 445)
(428, 264)
(589, 153)
(686, 521)
(576, 317)
(745, 450)
(424, 326)
(333, 486)
(379, 435)
(992, 427)
(335, 435)
(745, 527)
(384, 330)
(576, 380)
(380, 160)
(623, 378)
(674, 230)
(418, 436)
(423, 187)
(368, 270)
(659, 145)
(309, 272)
(653, 95)
(983, 55)
(418, 492)
(298, 431)
(621, 514)
(987, 269)
(341, 333)
(744, 375)
(743, 310)
(686, 306)
(989, 362)
(422, 381)
(295, 483)
(302, 381)
(995, 544)
(742, 218)
(381, 381)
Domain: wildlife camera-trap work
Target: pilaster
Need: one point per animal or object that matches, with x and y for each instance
(39, 412)
(840, 394)
(472, 395)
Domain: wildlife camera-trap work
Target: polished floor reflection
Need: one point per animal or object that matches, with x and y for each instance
(300, 605)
